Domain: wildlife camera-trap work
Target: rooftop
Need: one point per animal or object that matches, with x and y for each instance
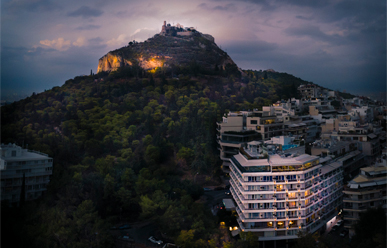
(370, 176)
(291, 160)
(330, 167)
(26, 155)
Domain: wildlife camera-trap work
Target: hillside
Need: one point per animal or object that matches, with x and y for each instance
(170, 51)
(126, 146)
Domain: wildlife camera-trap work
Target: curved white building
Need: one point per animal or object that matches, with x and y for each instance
(279, 195)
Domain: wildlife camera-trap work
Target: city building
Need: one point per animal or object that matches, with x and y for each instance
(279, 194)
(232, 134)
(16, 162)
(367, 190)
(309, 90)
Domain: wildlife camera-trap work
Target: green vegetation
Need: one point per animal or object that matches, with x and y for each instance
(126, 147)
(370, 230)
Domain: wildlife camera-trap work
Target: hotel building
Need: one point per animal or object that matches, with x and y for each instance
(14, 162)
(278, 195)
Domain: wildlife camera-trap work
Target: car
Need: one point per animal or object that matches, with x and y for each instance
(343, 233)
(125, 226)
(207, 189)
(155, 241)
(340, 223)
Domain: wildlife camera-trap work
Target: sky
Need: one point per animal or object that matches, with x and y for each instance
(338, 44)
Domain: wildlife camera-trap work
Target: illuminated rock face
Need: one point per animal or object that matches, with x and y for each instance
(184, 49)
(148, 64)
(111, 62)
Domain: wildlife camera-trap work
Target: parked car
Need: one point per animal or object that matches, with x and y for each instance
(155, 241)
(125, 226)
(343, 233)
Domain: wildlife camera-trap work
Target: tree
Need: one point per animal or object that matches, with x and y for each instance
(248, 240)
(305, 240)
(185, 239)
(23, 191)
(108, 189)
(148, 207)
(370, 230)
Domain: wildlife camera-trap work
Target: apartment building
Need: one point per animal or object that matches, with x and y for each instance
(367, 190)
(232, 134)
(309, 90)
(14, 162)
(238, 128)
(278, 195)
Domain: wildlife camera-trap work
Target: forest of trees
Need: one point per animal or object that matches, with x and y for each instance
(125, 147)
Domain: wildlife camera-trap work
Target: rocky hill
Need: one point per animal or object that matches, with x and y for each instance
(174, 47)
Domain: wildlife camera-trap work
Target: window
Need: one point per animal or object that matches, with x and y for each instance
(253, 122)
(13, 153)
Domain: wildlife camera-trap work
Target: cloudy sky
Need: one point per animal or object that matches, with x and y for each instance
(339, 44)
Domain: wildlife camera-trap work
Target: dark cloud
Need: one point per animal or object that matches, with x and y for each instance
(96, 43)
(85, 12)
(306, 3)
(304, 17)
(314, 33)
(250, 48)
(15, 6)
(45, 68)
(226, 7)
(264, 4)
(88, 27)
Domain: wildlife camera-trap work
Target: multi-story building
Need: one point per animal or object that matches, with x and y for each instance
(333, 148)
(352, 162)
(367, 190)
(232, 134)
(278, 195)
(16, 162)
(238, 128)
(309, 90)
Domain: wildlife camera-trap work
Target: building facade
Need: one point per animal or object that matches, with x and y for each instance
(14, 162)
(367, 190)
(279, 195)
